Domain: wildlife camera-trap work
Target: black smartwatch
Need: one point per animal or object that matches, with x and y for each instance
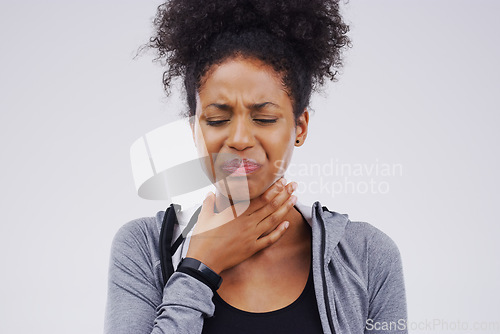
(200, 271)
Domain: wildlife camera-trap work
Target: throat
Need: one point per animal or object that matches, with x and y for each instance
(291, 252)
(274, 277)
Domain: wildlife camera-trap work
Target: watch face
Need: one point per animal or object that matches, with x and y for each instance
(202, 269)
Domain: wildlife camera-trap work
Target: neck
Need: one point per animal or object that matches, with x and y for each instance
(294, 245)
(297, 230)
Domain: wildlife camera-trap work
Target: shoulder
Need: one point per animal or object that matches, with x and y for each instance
(368, 253)
(367, 243)
(364, 236)
(137, 238)
(139, 230)
(376, 261)
(353, 238)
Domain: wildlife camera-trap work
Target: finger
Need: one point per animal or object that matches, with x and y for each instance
(275, 203)
(272, 237)
(270, 222)
(255, 204)
(207, 208)
(269, 194)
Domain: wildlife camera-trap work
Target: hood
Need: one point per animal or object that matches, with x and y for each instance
(328, 228)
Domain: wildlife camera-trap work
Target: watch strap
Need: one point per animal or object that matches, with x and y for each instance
(200, 271)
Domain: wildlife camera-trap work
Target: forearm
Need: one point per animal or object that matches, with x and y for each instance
(186, 302)
(137, 301)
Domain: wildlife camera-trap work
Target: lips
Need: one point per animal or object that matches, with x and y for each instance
(239, 167)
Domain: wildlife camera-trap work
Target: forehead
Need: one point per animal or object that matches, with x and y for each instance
(248, 77)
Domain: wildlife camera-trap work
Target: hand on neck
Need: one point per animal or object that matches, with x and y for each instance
(295, 231)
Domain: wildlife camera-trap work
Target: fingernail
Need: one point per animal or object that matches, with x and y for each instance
(294, 186)
(287, 224)
(283, 181)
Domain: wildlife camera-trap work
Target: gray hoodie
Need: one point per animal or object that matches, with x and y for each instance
(357, 274)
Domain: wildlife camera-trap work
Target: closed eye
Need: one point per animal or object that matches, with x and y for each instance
(216, 123)
(266, 121)
(221, 122)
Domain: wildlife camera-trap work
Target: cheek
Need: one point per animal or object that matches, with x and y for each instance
(206, 140)
(280, 151)
(203, 147)
(208, 145)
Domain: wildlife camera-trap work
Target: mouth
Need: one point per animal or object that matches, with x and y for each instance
(240, 167)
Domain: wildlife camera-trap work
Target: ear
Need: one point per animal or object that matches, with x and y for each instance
(301, 128)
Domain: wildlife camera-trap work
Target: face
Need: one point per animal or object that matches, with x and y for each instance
(245, 128)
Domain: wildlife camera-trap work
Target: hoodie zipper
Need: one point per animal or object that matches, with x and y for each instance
(323, 267)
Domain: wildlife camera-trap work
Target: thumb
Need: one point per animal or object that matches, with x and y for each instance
(208, 205)
(207, 210)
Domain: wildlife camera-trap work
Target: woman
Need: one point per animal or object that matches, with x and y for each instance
(257, 261)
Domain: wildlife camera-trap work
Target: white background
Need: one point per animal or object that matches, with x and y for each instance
(419, 89)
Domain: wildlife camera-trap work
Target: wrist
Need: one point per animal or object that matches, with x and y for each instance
(200, 271)
(203, 259)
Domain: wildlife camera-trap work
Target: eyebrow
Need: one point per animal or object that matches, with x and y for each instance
(253, 106)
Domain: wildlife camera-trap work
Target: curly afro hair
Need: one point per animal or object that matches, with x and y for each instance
(301, 40)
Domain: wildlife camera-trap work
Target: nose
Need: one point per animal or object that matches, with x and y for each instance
(240, 134)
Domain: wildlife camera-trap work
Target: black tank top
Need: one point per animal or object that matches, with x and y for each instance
(301, 316)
